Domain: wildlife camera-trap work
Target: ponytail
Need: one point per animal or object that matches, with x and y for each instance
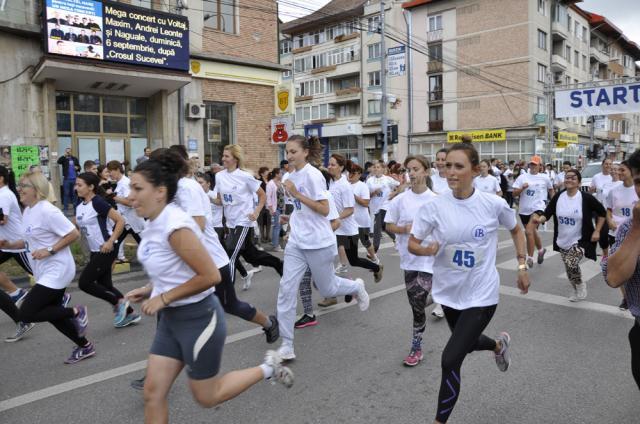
(9, 179)
(312, 145)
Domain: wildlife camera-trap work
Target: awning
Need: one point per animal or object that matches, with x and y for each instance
(108, 79)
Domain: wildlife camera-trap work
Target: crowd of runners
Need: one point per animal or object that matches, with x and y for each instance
(306, 221)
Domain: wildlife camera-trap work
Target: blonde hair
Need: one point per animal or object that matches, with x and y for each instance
(237, 153)
(39, 183)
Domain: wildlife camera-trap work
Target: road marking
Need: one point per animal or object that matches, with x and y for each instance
(512, 264)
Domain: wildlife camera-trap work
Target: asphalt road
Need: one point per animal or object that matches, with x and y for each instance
(570, 362)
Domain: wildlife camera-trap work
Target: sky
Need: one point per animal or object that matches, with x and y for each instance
(625, 14)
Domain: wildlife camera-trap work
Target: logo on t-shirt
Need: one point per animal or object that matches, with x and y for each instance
(479, 232)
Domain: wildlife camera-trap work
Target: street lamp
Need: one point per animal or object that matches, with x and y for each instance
(211, 15)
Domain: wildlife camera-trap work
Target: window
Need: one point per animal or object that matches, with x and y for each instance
(435, 113)
(298, 41)
(567, 80)
(344, 110)
(435, 88)
(542, 40)
(542, 106)
(542, 7)
(576, 59)
(435, 52)
(435, 23)
(577, 31)
(373, 24)
(285, 47)
(560, 14)
(542, 73)
(319, 60)
(374, 107)
(569, 26)
(286, 74)
(374, 79)
(567, 53)
(220, 15)
(299, 65)
(584, 62)
(585, 34)
(375, 51)
(627, 61)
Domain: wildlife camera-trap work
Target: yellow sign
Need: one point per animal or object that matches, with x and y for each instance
(477, 136)
(283, 100)
(195, 66)
(567, 137)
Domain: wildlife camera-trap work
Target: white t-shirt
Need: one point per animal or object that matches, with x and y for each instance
(216, 210)
(508, 174)
(343, 197)
(236, 192)
(386, 184)
(600, 182)
(621, 200)
(402, 212)
(130, 216)
(464, 270)
(13, 229)
(192, 199)
(569, 214)
(559, 180)
(162, 264)
(486, 184)
(309, 230)
(607, 188)
(496, 173)
(361, 214)
(93, 220)
(440, 184)
(288, 200)
(44, 226)
(534, 196)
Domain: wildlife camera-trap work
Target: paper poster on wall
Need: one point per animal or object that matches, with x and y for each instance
(22, 157)
(396, 62)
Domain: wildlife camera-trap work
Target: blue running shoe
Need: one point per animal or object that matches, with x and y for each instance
(130, 319)
(80, 353)
(121, 313)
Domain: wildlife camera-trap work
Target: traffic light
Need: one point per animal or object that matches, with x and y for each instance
(392, 134)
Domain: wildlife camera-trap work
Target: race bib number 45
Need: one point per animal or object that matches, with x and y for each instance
(463, 258)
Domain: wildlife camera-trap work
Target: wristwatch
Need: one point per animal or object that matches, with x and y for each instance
(51, 251)
(523, 267)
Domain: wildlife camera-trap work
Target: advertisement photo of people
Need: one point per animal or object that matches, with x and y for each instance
(74, 28)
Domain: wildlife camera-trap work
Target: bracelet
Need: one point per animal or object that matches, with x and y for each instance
(163, 299)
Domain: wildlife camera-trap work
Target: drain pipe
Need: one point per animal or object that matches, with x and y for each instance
(406, 13)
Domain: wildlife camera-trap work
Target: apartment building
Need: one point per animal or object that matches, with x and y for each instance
(485, 70)
(153, 73)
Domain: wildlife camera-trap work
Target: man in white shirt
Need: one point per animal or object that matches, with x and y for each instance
(558, 182)
(599, 184)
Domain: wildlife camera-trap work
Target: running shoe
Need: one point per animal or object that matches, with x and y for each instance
(277, 249)
(623, 305)
(377, 276)
(362, 296)
(246, 281)
(273, 332)
(66, 298)
(121, 312)
(129, 319)
(503, 359)
(21, 330)
(530, 262)
(376, 260)
(81, 321)
(541, 256)
(437, 311)
(19, 298)
(328, 301)
(341, 269)
(581, 291)
(414, 358)
(138, 384)
(573, 297)
(286, 352)
(281, 374)
(306, 321)
(80, 353)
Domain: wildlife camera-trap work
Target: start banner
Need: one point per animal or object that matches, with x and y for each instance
(606, 100)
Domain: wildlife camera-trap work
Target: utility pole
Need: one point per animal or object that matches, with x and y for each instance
(548, 92)
(383, 78)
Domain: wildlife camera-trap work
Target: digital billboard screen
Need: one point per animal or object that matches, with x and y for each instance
(116, 32)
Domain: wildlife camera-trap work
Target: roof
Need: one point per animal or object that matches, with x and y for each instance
(605, 26)
(415, 3)
(333, 11)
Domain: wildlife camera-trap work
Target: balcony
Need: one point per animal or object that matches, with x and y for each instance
(331, 118)
(435, 125)
(599, 55)
(434, 66)
(303, 98)
(301, 50)
(324, 69)
(616, 67)
(434, 36)
(559, 31)
(346, 37)
(435, 96)
(558, 63)
(348, 91)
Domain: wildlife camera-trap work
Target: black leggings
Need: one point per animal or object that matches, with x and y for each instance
(466, 327)
(350, 244)
(45, 304)
(241, 269)
(634, 341)
(8, 307)
(378, 227)
(123, 236)
(96, 277)
(227, 295)
(239, 241)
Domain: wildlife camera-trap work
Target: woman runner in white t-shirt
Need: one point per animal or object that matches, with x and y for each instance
(418, 270)
(311, 242)
(47, 237)
(574, 235)
(486, 181)
(380, 187)
(361, 210)
(191, 326)
(96, 218)
(464, 223)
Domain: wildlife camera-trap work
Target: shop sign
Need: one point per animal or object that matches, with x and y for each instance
(607, 100)
(116, 32)
(283, 100)
(396, 61)
(281, 127)
(192, 145)
(567, 137)
(477, 136)
(22, 157)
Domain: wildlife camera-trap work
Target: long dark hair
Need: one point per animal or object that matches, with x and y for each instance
(163, 169)
(92, 179)
(9, 179)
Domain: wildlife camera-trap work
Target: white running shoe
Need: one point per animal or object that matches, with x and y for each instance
(437, 311)
(246, 281)
(281, 374)
(573, 297)
(341, 269)
(362, 296)
(286, 352)
(581, 291)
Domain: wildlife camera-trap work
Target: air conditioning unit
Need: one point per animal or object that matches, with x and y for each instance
(196, 111)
